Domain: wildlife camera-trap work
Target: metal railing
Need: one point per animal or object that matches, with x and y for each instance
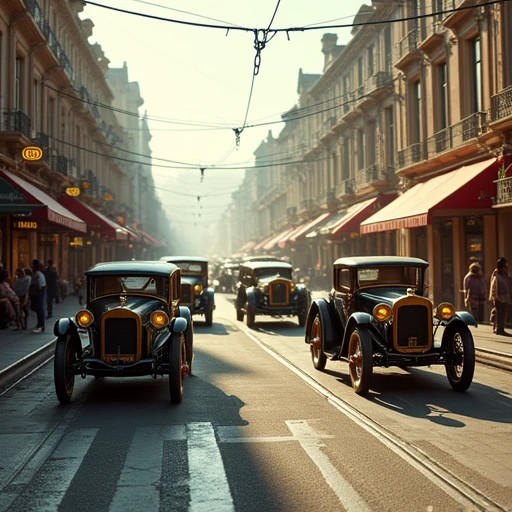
(372, 174)
(501, 104)
(409, 44)
(14, 120)
(411, 155)
(345, 188)
(504, 191)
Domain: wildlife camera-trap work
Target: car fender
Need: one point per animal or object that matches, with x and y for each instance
(63, 326)
(185, 313)
(359, 318)
(179, 324)
(251, 296)
(211, 297)
(466, 317)
(75, 339)
(330, 325)
(161, 339)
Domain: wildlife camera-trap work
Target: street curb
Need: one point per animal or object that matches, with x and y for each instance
(16, 371)
(493, 358)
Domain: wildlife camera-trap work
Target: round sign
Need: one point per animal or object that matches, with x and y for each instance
(32, 153)
(73, 191)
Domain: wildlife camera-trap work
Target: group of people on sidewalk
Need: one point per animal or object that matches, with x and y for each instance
(33, 289)
(500, 294)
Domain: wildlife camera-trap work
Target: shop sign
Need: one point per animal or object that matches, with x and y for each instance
(108, 196)
(30, 225)
(9, 194)
(354, 235)
(32, 153)
(85, 185)
(73, 191)
(77, 241)
(50, 239)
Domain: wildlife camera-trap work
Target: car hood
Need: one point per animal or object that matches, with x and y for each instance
(144, 306)
(385, 295)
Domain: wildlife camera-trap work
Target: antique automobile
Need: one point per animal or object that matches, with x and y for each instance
(228, 277)
(195, 291)
(267, 288)
(131, 325)
(377, 315)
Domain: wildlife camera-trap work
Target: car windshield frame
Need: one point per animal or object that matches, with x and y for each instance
(192, 268)
(390, 276)
(128, 284)
(264, 274)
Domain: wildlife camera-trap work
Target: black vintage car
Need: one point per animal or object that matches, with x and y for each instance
(267, 288)
(132, 325)
(195, 290)
(377, 315)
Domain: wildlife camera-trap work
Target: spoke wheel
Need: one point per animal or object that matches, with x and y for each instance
(63, 369)
(360, 360)
(177, 367)
(316, 344)
(461, 367)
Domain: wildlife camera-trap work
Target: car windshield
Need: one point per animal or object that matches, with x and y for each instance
(270, 273)
(191, 269)
(390, 276)
(114, 285)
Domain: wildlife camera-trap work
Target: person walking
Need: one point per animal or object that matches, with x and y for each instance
(475, 291)
(500, 295)
(21, 288)
(36, 292)
(52, 283)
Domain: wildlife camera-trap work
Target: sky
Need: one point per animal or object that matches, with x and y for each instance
(199, 81)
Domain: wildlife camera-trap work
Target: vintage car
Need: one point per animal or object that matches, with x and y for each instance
(131, 325)
(228, 277)
(377, 315)
(267, 288)
(195, 291)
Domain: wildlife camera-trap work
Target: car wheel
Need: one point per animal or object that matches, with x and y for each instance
(63, 368)
(316, 344)
(208, 316)
(251, 315)
(239, 315)
(189, 346)
(461, 367)
(360, 360)
(177, 359)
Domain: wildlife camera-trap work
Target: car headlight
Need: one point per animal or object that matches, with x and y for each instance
(159, 319)
(382, 312)
(445, 311)
(198, 288)
(292, 287)
(84, 318)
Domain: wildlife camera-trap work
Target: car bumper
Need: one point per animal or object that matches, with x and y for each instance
(98, 368)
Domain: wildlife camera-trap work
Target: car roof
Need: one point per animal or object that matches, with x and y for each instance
(248, 259)
(172, 259)
(267, 264)
(380, 261)
(135, 268)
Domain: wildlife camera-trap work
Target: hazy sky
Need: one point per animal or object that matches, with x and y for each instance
(199, 80)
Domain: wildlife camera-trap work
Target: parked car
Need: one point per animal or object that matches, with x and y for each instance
(267, 288)
(377, 314)
(195, 290)
(132, 325)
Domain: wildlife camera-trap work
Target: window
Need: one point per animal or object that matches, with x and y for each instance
(35, 95)
(476, 75)
(17, 83)
(345, 169)
(387, 49)
(372, 141)
(415, 112)
(360, 75)
(370, 52)
(360, 149)
(346, 85)
(389, 137)
(442, 89)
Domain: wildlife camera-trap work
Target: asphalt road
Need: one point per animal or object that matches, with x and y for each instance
(258, 430)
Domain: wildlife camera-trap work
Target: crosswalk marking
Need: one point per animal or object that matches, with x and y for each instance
(209, 489)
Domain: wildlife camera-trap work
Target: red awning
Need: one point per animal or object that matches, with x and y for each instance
(247, 247)
(357, 213)
(309, 226)
(260, 245)
(95, 220)
(149, 239)
(469, 188)
(52, 211)
(273, 241)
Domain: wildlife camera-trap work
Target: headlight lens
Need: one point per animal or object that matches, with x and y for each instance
(159, 319)
(382, 312)
(198, 288)
(84, 318)
(292, 286)
(445, 311)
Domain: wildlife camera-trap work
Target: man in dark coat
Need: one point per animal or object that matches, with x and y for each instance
(52, 279)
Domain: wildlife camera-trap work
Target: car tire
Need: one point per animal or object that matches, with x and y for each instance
(316, 344)
(64, 377)
(251, 316)
(177, 358)
(360, 360)
(189, 346)
(462, 349)
(208, 316)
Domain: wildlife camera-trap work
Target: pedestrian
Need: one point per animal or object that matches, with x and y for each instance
(500, 296)
(475, 291)
(21, 288)
(10, 302)
(79, 284)
(52, 283)
(36, 292)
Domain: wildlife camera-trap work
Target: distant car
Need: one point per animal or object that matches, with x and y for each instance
(377, 315)
(267, 288)
(134, 326)
(195, 290)
(228, 277)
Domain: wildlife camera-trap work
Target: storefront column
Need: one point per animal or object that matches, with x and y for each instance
(460, 266)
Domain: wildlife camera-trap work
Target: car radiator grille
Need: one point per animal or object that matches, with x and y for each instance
(413, 327)
(120, 336)
(186, 295)
(278, 294)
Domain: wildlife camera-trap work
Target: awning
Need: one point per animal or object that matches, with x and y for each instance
(457, 192)
(260, 245)
(52, 211)
(309, 226)
(246, 247)
(357, 213)
(149, 239)
(95, 220)
(12, 201)
(134, 234)
(273, 241)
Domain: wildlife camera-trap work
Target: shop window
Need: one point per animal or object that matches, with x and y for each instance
(474, 234)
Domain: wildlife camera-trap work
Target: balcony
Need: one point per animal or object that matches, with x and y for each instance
(381, 82)
(504, 192)
(501, 106)
(14, 124)
(327, 199)
(407, 49)
(457, 135)
(345, 189)
(306, 205)
(432, 35)
(325, 133)
(411, 155)
(372, 176)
